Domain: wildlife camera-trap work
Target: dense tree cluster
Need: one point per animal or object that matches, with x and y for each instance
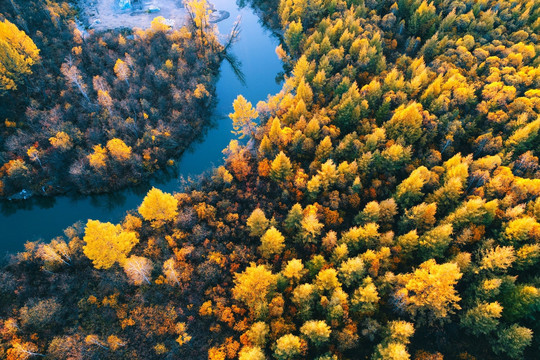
(101, 110)
(386, 207)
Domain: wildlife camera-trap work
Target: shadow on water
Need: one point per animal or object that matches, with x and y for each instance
(43, 218)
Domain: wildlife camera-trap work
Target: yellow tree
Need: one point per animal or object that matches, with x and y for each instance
(17, 55)
(61, 141)
(272, 242)
(98, 158)
(281, 168)
(317, 331)
(253, 287)
(289, 346)
(158, 207)
(242, 117)
(199, 11)
(118, 149)
(251, 353)
(406, 123)
(257, 222)
(122, 71)
(430, 290)
(107, 244)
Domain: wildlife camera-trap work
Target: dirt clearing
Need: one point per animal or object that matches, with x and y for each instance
(114, 14)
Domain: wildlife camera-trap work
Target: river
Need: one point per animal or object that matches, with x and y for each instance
(45, 218)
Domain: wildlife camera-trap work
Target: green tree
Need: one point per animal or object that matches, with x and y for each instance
(512, 341)
(483, 318)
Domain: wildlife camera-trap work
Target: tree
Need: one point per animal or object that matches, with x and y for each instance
(288, 347)
(258, 333)
(391, 351)
(36, 316)
(429, 292)
(317, 331)
(93, 339)
(328, 174)
(498, 258)
(159, 24)
(253, 287)
(65, 347)
(310, 227)
(98, 158)
(294, 36)
(483, 318)
(294, 218)
(406, 123)
(115, 342)
(294, 270)
(512, 341)
(435, 241)
(61, 141)
(118, 149)
(400, 331)
(55, 253)
(73, 75)
(17, 55)
(272, 243)
(351, 271)
(158, 207)
(122, 71)
(281, 168)
(327, 280)
(199, 11)
(138, 269)
(251, 353)
(257, 223)
(172, 274)
(22, 350)
(365, 299)
(409, 191)
(242, 118)
(107, 244)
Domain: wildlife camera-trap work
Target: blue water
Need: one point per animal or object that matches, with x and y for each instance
(45, 218)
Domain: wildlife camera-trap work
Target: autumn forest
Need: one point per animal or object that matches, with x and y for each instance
(383, 205)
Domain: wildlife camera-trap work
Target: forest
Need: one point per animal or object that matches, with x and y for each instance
(91, 112)
(384, 205)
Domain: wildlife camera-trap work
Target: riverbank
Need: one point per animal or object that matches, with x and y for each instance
(126, 105)
(44, 218)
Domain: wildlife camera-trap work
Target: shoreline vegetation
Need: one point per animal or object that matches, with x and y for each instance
(385, 206)
(104, 110)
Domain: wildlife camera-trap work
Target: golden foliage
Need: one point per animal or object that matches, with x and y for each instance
(158, 207)
(107, 244)
(17, 55)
